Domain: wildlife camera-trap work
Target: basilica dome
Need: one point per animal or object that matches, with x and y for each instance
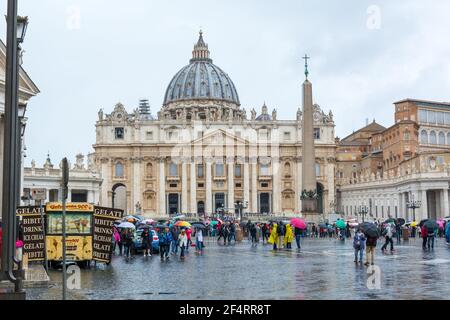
(201, 80)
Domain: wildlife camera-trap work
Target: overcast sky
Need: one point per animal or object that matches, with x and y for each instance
(90, 54)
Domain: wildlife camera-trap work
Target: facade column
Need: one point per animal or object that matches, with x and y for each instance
(184, 187)
(136, 183)
(254, 186)
(445, 205)
(246, 184)
(331, 191)
(193, 187)
(208, 185)
(90, 196)
(424, 208)
(276, 196)
(230, 179)
(401, 205)
(162, 188)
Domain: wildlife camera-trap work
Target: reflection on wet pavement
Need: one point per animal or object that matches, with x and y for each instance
(324, 269)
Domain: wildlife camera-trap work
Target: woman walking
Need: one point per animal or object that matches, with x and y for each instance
(147, 240)
(183, 242)
(198, 241)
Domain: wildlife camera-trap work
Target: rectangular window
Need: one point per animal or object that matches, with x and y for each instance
(173, 170)
(264, 170)
(317, 170)
(149, 135)
(264, 185)
(431, 117)
(200, 171)
(423, 116)
(201, 185)
(238, 185)
(237, 171)
(440, 117)
(316, 133)
(119, 133)
(173, 185)
(447, 118)
(219, 170)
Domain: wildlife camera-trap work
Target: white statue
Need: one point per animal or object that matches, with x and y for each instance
(100, 115)
(253, 114)
(274, 115)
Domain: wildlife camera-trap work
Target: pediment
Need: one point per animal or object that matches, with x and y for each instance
(220, 137)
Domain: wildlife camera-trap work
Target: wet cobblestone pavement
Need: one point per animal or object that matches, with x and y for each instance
(324, 269)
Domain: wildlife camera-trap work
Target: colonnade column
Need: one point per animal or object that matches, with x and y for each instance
(184, 187)
(162, 188)
(246, 184)
(193, 187)
(208, 185)
(136, 182)
(230, 179)
(444, 196)
(424, 207)
(254, 184)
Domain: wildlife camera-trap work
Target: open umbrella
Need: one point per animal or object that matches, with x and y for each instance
(431, 225)
(220, 221)
(148, 221)
(341, 224)
(126, 225)
(422, 222)
(214, 223)
(298, 223)
(390, 220)
(322, 225)
(144, 226)
(184, 224)
(180, 217)
(199, 225)
(369, 229)
(401, 221)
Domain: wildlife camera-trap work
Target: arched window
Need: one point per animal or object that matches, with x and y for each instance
(424, 137)
(441, 138)
(173, 169)
(149, 170)
(118, 172)
(433, 138)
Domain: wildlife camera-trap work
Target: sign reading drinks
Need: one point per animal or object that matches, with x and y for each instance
(104, 219)
(33, 232)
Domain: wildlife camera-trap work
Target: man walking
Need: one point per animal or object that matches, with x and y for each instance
(388, 235)
(298, 236)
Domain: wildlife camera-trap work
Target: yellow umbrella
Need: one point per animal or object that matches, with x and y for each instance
(184, 224)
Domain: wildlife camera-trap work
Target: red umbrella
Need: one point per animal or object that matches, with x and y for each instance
(298, 223)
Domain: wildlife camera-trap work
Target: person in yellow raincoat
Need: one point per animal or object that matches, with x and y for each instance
(274, 236)
(288, 237)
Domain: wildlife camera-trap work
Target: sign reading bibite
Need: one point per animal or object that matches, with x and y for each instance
(103, 232)
(33, 233)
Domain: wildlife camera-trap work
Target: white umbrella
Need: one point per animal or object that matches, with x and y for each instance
(127, 225)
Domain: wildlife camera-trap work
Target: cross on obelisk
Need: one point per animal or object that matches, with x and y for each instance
(306, 58)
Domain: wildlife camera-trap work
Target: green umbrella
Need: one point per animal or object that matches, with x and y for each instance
(341, 224)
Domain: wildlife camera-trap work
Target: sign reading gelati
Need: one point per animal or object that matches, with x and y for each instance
(103, 232)
(80, 207)
(33, 232)
(77, 248)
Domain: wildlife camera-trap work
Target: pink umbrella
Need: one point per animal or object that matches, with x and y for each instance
(298, 223)
(440, 223)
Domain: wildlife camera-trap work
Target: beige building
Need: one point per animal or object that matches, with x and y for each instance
(201, 153)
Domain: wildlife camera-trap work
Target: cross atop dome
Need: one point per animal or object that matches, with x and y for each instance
(201, 51)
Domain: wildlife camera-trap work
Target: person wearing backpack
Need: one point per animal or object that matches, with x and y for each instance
(388, 236)
(359, 244)
(127, 242)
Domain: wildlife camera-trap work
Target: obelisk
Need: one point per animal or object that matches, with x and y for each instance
(309, 183)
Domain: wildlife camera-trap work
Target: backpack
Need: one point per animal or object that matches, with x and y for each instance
(357, 241)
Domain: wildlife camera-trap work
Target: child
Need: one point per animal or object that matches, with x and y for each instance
(359, 244)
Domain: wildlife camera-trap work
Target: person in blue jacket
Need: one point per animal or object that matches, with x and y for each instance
(165, 239)
(447, 232)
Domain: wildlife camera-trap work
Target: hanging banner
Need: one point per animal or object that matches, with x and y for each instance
(104, 219)
(33, 232)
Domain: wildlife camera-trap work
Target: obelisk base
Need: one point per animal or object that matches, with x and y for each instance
(312, 217)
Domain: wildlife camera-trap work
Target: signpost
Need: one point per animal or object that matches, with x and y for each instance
(41, 195)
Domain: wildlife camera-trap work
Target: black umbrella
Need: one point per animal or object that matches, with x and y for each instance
(369, 229)
(199, 225)
(422, 222)
(401, 221)
(144, 226)
(431, 225)
(161, 226)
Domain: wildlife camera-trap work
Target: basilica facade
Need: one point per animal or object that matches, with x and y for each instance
(202, 153)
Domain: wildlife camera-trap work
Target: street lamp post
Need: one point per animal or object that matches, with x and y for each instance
(241, 205)
(413, 204)
(16, 29)
(363, 211)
